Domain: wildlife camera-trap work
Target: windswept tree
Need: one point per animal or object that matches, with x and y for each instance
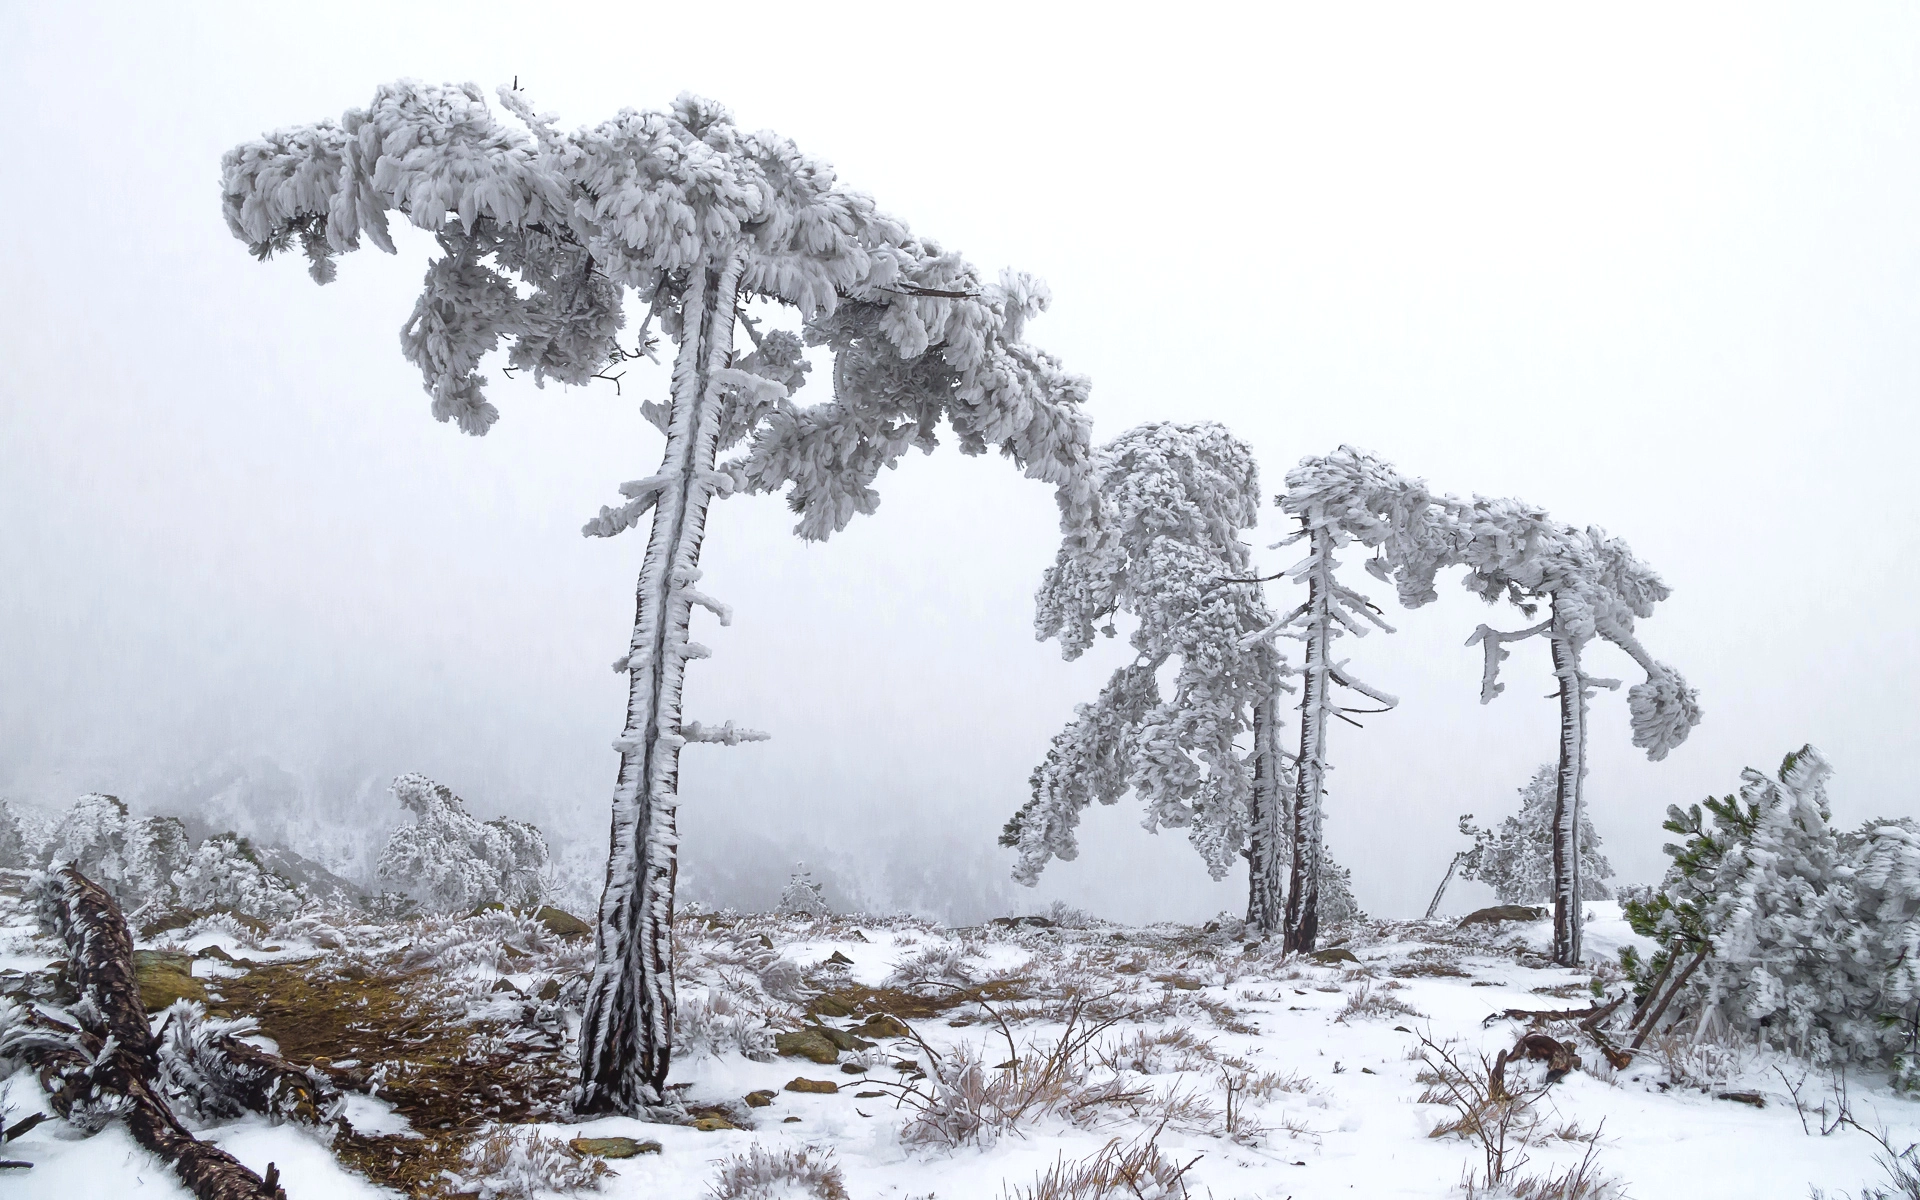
(1515, 552)
(1171, 501)
(1330, 497)
(1593, 586)
(542, 235)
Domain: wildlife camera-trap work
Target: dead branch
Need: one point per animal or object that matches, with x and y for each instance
(106, 1068)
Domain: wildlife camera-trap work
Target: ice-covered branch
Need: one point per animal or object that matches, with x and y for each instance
(728, 734)
(1496, 652)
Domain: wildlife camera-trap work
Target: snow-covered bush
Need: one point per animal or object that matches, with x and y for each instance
(517, 1164)
(448, 861)
(717, 1025)
(1805, 937)
(802, 896)
(157, 849)
(1337, 905)
(93, 837)
(13, 846)
(224, 872)
(1516, 860)
(762, 1174)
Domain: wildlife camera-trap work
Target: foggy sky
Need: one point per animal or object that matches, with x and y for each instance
(1655, 269)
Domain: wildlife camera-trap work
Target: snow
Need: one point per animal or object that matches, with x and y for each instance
(1348, 1121)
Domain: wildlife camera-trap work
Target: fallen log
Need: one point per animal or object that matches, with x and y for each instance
(105, 1068)
(1589, 1017)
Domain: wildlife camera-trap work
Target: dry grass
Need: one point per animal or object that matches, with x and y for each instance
(1368, 1003)
(1136, 1169)
(762, 1174)
(509, 1164)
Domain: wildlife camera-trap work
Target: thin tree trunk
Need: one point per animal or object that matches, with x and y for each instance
(1303, 892)
(1567, 917)
(626, 1035)
(1433, 905)
(1653, 1018)
(1268, 848)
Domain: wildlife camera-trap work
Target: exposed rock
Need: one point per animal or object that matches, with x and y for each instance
(852, 1068)
(613, 1147)
(1015, 922)
(881, 1025)
(165, 976)
(870, 1095)
(841, 959)
(1502, 912)
(505, 985)
(1753, 1098)
(832, 1006)
(807, 1043)
(760, 1099)
(713, 1124)
(821, 1086)
(1337, 954)
(843, 1040)
(562, 924)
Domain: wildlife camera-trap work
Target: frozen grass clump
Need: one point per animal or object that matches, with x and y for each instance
(716, 1025)
(1366, 1003)
(762, 1174)
(509, 1164)
(1136, 1171)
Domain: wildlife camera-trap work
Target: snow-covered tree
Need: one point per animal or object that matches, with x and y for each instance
(1773, 923)
(1329, 502)
(1516, 859)
(1513, 551)
(802, 896)
(157, 849)
(13, 845)
(225, 872)
(1337, 905)
(93, 837)
(1594, 586)
(450, 862)
(1165, 548)
(541, 234)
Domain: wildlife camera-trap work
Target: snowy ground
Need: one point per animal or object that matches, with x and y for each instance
(1329, 1102)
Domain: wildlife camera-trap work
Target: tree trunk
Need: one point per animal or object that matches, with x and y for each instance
(1268, 845)
(1433, 905)
(1567, 917)
(1303, 891)
(106, 1068)
(626, 1035)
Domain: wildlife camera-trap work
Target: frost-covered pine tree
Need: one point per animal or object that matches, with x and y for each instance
(541, 234)
(1165, 548)
(1515, 552)
(93, 837)
(225, 872)
(157, 849)
(1325, 496)
(802, 896)
(1774, 924)
(1516, 859)
(449, 861)
(1593, 586)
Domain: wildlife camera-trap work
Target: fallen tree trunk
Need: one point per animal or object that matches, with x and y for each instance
(106, 1068)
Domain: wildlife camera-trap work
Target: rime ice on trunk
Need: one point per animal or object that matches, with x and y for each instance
(1567, 914)
(626, 1034)
(1331, 610)
(1310, 770)
(1269, 838)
